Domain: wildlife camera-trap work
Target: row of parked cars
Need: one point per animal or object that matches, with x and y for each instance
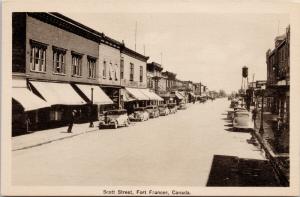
(119, 117)
(240, 116)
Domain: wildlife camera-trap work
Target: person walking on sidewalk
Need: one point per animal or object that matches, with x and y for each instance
(254, 114)
(72, 119)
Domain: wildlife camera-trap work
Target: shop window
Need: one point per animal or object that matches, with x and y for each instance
(76, 64)
(37, 56)
(55, 115)
(91, 67)
(59, 60)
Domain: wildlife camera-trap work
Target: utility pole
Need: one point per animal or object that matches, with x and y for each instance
(135, 34)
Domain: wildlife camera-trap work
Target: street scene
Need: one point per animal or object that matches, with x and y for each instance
(141, 100)
(177, 150)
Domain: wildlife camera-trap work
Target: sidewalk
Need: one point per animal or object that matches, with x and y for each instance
(47, 136)
(278, 158)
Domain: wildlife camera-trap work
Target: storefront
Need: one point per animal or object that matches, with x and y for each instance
(26, 107)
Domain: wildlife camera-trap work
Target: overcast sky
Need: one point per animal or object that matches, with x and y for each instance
(210, 48)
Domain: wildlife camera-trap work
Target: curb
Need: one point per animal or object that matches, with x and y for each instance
(57, 139)
(282, 178)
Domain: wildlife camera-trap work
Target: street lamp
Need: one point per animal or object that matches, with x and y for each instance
(91, 108)
(261, 129)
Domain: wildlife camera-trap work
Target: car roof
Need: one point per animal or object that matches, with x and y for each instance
(117, 110)
(242, 112)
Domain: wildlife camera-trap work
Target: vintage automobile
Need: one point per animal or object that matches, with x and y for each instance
(230, 114)
(139, 114)
(172, 108)
(234, 103)
(182, 106)
(242, 120)
(153, 111)
(114, 118)
(163, 110)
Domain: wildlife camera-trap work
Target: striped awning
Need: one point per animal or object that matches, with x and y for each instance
(25, 97)
(58, 93)
(137, 94)
(99, 96)
(151, 95)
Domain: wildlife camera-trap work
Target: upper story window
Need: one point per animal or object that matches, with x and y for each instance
(131, 75)
(104, 69)
(59, 58)
(110, 70)
(116, 77)
(91, 63)
(122, 69)
(37, 56)
(141, 73)
(76, 64)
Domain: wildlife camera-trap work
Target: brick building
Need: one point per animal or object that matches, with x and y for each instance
(57, 59)
(277, 89)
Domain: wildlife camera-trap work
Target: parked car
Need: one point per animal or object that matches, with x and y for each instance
(182, 106)
(114, 118)
(242, 120)
(233, 103)
(230, 114)
(139, 114)
(163, 110)
(172, 108)
(153, 111)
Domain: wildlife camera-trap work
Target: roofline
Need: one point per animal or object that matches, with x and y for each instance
(133, 53)
(61, 21)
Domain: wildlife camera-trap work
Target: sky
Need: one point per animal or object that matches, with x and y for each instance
(210, 48)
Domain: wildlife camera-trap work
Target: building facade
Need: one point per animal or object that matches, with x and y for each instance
(109, 76)
(277, 88)
(57, 59)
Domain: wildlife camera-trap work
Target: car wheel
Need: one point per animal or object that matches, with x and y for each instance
(126, 123)
(115, 125)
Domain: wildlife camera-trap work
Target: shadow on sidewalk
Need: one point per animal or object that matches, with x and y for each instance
(234, 171)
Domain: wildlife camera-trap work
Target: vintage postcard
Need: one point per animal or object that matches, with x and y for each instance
(150, 98)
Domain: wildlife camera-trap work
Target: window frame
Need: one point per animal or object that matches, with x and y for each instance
(76, 67)
(104, 69)
(61, 60)
(92, 68)
(122, 69)
(141, 74)
(41, 65)
(131, 73)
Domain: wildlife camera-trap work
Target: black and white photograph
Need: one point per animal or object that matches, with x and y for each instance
(150, 98)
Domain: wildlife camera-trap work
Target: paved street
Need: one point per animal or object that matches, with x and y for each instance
(174, 150)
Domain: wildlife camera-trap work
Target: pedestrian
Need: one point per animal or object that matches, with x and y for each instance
(254, 114)
(72, 119)
(27, 122)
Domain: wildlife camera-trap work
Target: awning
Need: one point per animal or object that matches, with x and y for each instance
(178, 95)
(137, 94)
(99, 96)
(25, 97)
(151, 95)
(58, 93)
(126, 96)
